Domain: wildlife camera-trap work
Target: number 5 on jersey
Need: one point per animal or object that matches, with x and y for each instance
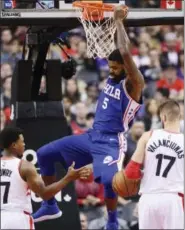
(105, 103)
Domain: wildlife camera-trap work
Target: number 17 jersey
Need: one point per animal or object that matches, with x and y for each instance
(164, 163)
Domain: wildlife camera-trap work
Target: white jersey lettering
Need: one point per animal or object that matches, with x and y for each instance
(15, 195)
(164, 163)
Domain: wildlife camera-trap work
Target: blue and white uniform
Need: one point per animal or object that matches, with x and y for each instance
(104, 145)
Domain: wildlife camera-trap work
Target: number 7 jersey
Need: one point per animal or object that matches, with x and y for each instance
(15, 195)
(163, 163)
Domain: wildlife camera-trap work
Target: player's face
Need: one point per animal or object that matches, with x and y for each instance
(19, 146)
(116, 69)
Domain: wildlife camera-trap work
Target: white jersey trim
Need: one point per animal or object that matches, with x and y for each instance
(122, 149)
(131, 109)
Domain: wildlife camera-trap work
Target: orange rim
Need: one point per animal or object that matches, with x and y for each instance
(94, 6)
(98, 6)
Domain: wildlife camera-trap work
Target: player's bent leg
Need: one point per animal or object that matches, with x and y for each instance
(47, 157)
(108, 159)
(65, 151)
(110, 196)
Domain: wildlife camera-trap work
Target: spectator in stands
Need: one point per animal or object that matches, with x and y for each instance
(142, 59)
(181, 103)
(90, 197)
(92, 96)
(90, 120)
(15, 53)
(53, 53)
(151, 73)
(135, 133)
(78, 124)
(6, 71)
(100, 221)
(154, 64)
(180, 70)
(2, 120)
(6, 92)
(133, 224)
(171, 48)
(161, 95)
(20, 33)
(83, 221)
(72, 91)
(6, 36)
(151, 118)
(67, 103)
(172, 82)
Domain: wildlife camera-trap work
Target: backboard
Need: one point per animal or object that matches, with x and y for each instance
(66, 16)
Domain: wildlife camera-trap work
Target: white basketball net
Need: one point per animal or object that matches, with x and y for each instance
(99, 34)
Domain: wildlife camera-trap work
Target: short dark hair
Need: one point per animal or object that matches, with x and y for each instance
(171, 108)
(90, 115)
(116, 56)
(9, 135)
(164, 91)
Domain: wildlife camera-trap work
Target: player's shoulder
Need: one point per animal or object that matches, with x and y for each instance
(25, 168)
(146, 136)
(26, 165)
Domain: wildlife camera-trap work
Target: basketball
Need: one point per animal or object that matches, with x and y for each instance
(123, 186)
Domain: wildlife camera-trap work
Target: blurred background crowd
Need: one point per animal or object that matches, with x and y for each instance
(159, 54)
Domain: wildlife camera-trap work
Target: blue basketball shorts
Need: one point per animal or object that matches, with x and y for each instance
(104, 151)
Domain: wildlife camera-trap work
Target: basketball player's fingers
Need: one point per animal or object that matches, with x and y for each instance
(83, 177)
(82, 168)
(84, 173)
(72, 166)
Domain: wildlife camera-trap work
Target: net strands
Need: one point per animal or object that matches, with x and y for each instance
(99, 33)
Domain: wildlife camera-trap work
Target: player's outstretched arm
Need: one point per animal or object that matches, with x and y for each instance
(36, 184)
(132, 170)
(135, 80)
(139, 153)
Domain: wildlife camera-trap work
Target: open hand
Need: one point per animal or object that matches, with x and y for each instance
(74, 174)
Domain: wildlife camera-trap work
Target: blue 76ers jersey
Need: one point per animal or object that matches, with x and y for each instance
(116, 109)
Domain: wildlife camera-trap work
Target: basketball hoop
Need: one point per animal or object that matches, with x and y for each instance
(99, 28)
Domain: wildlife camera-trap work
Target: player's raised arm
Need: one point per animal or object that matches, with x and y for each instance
(36, 184)
(135, 80)
(132, 170)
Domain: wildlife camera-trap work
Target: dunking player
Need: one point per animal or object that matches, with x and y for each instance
(105, 144)
(162, 184)
(16, 176)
